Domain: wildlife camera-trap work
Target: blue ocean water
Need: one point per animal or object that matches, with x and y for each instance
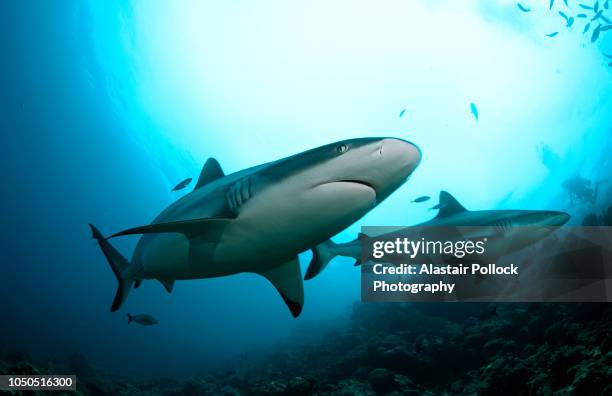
(105, 107)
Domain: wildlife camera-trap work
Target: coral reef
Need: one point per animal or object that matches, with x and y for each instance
(411, 349)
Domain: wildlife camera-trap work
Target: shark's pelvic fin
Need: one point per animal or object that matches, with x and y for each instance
(449, 205)
(322, 254)
(190, 228)
(168, 284)
(211, 171)
(118, 264)
(287, 280)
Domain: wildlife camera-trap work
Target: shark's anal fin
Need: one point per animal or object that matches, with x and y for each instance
(168, 284)
(191, 228)
(287, 280)
(211, 171)
(449, 205)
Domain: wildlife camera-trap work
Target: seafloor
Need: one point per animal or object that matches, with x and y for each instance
(403, 349)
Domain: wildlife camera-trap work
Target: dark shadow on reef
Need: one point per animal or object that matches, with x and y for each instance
(410, 349)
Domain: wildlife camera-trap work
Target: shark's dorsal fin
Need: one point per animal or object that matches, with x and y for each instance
(211, 171)
(287, 279)
(449, 206)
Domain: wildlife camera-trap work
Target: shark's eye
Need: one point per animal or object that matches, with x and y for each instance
(343, 148)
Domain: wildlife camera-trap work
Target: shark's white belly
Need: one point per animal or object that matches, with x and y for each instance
(271, 228)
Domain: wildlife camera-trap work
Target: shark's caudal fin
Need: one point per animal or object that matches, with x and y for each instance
(118, 264)
(322, 254)
(325, 252)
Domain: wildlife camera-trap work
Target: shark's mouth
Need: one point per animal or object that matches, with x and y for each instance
(357, 182)
(353, 181)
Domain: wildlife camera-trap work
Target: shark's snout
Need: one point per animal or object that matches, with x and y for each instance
(557, 219)
(402, 151)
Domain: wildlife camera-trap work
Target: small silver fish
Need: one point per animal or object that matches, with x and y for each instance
(142, 319)
(523, 8)
(563, 15)
(596, 6)
(596, 16)
(605, 28)
(553, 34)
(586, 28)
(422, 199)
(402, 112)
(581, 16)
(570, 22)
(439, 206)
(586, 7)
(182, 184)
(552, 3)
(474, 110)
(595, 35)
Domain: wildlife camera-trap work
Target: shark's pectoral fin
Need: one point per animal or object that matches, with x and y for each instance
(287, 280)
(191, 228)
(168, 284)
(211, 171)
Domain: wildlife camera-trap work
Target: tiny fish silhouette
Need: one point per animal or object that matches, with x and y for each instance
(570, 22)
(402, 112)
(422, 199)
(552, 3)
(523, 8)
(607, 4)
(474, 110)
(595, 35)
(586, 28)
(581, 16)
(565, 1)
(586, 7)
(182, 184)
(563, 15)
(553, 34)
(596, 16)
(142, 319)
(605, 28)
(596, 6)
(439, 206)
(606, 20)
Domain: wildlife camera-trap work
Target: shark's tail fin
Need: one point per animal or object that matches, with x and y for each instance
(130, 318)
(118, 264)
(322, 254)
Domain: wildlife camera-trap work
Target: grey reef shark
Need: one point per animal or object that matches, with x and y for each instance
(259, 219)
(507, 231)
